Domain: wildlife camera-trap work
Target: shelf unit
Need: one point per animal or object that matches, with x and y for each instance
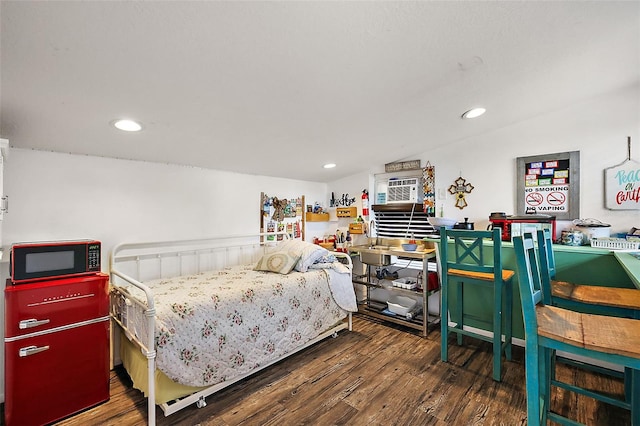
(317, 217)
(421, 319)
(356, 228)
(346, 211)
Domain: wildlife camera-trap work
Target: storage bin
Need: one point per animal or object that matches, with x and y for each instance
(317, 217)
(346, 211)
(401, 305)
(356, 228)
(615, 243)
(406, 283)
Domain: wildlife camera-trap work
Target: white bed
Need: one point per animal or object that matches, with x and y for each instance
(200, 315)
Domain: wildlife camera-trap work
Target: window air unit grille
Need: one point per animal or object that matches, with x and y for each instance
(403, 190)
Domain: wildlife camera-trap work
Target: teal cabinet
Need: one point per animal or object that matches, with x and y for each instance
(584, 265)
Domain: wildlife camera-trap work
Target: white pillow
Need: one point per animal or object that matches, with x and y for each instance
(281, 262)
(309, 253)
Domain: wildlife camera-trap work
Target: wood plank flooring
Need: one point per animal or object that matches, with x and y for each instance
(374, 375)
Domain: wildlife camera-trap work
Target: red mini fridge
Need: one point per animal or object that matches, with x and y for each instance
(56, 348)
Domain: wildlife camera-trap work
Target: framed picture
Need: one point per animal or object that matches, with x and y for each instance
(549, 184)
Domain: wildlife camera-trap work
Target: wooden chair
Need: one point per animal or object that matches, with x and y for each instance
(551, 328)
(612, 301)
(473, 263)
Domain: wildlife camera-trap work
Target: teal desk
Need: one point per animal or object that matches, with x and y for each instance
(630, 262)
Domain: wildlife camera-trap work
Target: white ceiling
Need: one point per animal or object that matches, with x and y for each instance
(279, 88)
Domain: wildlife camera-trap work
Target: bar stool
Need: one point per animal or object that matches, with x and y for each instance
(472, 263)
(612, 301)
(551, 328)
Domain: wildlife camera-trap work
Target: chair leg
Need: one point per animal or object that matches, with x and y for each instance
(444, 320)
(628, 377)
(545, 379)
(460, 305)
(552, 369)
(533, 384)
(508, 327)
(497, 332)
(635, 397)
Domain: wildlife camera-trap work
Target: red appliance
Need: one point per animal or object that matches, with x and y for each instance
(56, 348)
(516, 225)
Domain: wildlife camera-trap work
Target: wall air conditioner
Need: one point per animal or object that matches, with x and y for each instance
(404, 190)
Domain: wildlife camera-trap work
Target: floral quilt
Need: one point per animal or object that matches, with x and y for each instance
(213, 326)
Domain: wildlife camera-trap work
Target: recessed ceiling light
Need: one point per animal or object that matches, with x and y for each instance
(474, 112)
(329, 166)
(127, 125)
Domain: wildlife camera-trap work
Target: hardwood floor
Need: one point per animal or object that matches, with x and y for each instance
(374, 375)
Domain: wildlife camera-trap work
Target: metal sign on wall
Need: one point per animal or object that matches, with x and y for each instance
(402, 165)
(549, 184)
(622, 184)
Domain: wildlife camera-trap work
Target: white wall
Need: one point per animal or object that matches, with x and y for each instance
(61, 196)
(597, 127)
(57, 196)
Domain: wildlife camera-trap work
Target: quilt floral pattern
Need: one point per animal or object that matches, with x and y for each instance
(216, 325)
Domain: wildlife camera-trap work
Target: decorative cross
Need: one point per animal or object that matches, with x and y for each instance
(460, 187)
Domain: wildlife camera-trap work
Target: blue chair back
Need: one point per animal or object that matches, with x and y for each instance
(529, 280)
(468, 252)
(547, 263)
(545, 237)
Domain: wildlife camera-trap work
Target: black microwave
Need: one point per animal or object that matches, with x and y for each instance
(56, 259)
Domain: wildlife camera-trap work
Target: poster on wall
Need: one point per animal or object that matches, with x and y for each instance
(622, 184)
(549, 184)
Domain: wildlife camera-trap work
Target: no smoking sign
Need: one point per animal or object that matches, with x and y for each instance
(534, 199)
(556, 198)
(547, 198)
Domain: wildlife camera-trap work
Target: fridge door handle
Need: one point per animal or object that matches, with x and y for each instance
(32, 322)
(32, 350)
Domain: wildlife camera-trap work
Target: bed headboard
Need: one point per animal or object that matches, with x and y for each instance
(163, 259)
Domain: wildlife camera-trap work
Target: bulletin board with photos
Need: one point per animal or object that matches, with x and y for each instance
(279, 214)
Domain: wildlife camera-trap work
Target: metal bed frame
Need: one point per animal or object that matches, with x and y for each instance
(132, 263)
